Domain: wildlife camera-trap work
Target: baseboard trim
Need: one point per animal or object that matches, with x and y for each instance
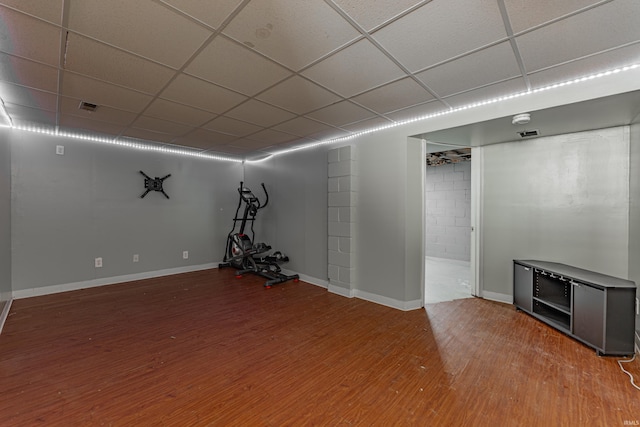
(339, 290)
(494, 296)
(389, 302)
(54, 289)
(5, 313)
(308, 279)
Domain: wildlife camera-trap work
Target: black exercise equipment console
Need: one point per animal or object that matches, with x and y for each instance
(248, 257)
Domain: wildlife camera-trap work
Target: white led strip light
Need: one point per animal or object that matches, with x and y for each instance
(193, 153)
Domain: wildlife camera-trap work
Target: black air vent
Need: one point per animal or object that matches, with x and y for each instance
(87, 106)
(528, 133)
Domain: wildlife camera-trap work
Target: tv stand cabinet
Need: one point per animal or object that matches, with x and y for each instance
(593, 308)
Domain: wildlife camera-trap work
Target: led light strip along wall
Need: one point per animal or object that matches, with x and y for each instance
(193, 153)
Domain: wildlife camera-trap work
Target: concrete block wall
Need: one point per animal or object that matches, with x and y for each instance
(448, 211)
(342, 202)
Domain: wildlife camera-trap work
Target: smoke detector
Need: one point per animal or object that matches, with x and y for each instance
(521, 119)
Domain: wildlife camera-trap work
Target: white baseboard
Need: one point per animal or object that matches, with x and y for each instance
(54, 289)
(494, 296)
(339, 290)
(389, 302)
(308, 279)
(5, 313)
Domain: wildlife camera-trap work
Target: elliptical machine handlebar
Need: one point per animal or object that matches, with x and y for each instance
(248, 197)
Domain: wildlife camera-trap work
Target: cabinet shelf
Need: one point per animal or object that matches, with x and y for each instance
(559, 318)
(556, 303)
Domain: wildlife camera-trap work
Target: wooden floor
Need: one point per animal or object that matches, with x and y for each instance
(205, 348)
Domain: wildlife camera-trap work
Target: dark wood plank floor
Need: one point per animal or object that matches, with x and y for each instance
(205, 348)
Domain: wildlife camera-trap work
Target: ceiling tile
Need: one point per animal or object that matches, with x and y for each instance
(211, 13)
(162, 126)
(370, 14)
(574, 37)
(201, 138)
(231, 126)
(251, 144)
(32, 98)
(481, 68)
(293, 33)
(75, 122)
(342, 72)
(486, 93)
(609, 60)
(28, 73)
(260, 114)
(142, 27)
(101, 93)
(27, 116)
(400, 94)
(248, 73)
(441, 30)
(526, 14)
(367, 124)
(302, 126)
(200, 94)
(327, 134)
(147, 135)
(29, 37)
(341, 113)
(50, 10)
(70, 107)
(167, 110)
(271, 136)
(419, 110)
(298, 95)
(88, 57)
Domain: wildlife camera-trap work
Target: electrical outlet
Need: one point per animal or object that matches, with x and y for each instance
(60, 150)
(98, 262)
(136, 257)
(185, 254)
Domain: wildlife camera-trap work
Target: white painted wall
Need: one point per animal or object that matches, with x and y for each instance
(67, 210)
(562, 199)
(5, 216)
(634, 214)
(295, 221)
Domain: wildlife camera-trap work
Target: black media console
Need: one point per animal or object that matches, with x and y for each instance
(594, 308)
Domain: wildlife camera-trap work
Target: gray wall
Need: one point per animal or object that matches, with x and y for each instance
(562, 198)
(448, 211)
(634, 215)
(295, 221)
(5, 216)
(67, 210)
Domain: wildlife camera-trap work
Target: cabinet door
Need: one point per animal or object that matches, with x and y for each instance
(588, 314)
(523, 287)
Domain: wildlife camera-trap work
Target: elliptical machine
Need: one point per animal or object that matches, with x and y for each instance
(248, 257)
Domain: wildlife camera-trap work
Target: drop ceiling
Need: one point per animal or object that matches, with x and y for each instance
(246, 77)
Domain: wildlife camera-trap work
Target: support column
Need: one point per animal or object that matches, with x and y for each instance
(342, 213)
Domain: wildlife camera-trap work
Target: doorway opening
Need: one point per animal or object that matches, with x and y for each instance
(448, 224)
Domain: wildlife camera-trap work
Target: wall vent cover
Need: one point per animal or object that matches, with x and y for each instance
(87, 106)
(528, 133)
